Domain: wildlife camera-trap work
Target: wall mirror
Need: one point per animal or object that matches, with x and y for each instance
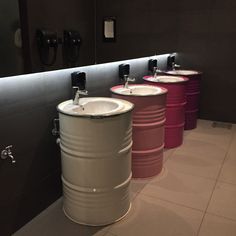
(44, 35)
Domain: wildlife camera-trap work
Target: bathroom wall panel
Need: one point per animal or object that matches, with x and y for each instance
(200, 5)
(7, 216)
(31, 203)
(143, 28)
(223, 5)
(206, 42)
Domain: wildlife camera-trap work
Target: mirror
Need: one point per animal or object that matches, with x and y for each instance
(11, 62)
(59, 34)
(55, 35)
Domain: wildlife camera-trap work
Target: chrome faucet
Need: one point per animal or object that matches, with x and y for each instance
(79, 92)
(8, 153)
(175, 66)
(156, 71)
(127, 79)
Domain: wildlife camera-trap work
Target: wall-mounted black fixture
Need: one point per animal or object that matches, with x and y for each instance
(152, 65)
(109, 29)
(170, 62)
(124, 70)
(78, 79)
(78, 82)
(47, 40)
(71, 45)
(171, 65)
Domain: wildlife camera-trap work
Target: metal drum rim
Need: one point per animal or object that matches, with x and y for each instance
(196, 72)
(164, 91)
(185, 79)
(99, 116)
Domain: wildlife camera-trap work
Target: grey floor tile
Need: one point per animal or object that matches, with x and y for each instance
(223, 202)
(152, 217)
(218, 136)
(168, 153)
(217, 226)
(109, 234)
(197, 157)
(137, 185)
(188, 190)
(228, 172)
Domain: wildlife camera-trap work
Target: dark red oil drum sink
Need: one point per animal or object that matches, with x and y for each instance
(175, 107)
(148, 126)
(193, 96)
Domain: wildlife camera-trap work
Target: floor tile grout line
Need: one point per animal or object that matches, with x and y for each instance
(226, 155)
(208, 203)
(174, 203)
(224, 217)
(216, 181)
(225, 182)
(195, 175)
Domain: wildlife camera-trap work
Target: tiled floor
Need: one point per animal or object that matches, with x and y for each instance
(194, 195)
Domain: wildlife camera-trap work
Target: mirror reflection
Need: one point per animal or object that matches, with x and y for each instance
(11, 62)
(47, 35)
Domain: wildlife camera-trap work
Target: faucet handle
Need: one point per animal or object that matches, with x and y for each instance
(131, 79)
(83, 92)
(75, 87)
(175, 66)
(128, 79)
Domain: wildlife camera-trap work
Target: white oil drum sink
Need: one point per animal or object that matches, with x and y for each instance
(96, 140)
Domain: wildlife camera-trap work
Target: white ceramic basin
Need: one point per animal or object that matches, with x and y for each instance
(138, 90)
(182, 72)
(166, 79)
(97, 106)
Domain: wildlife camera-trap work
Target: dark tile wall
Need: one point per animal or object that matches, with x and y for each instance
(206, 41)
(143, 28)
(28, 107)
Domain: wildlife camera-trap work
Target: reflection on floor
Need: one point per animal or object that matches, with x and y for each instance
(194, 195)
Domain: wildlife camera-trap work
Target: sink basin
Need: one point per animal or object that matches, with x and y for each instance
(182, 72)
(165, 79)
(97, 106)
(138, 90)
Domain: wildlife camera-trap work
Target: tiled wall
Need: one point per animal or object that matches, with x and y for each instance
(28, 107)
(143, 28)
(206, 41)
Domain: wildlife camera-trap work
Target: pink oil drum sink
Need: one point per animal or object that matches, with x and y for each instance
(148, 126)
(175, 107)
(192, 95)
